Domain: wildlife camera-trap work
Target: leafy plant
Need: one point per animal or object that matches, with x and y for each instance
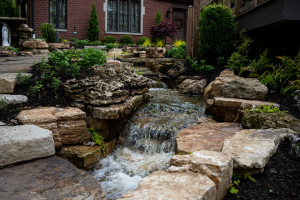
(178, 52)
(159, 43)
(142, 40)
(23, 79)
(202, 67)
(126, 39)
(99, 139)
(16, 50)
(158, 17)
(36, 89)
(109, 39)
(48, 32)
(162, 30)
(93, 30)
(56, 82)
(82, 43)
(217, 31)
(96, 43)
(3, 103)
(178, 43)
(266, 109)
(147, 43)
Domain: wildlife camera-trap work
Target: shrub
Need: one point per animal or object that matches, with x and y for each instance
(142, 40)
(217, 31)
(178, 52)
(108, 39)
(159, 43)
(126, 39)
(178, 43)
(7, 9)
(48, 32)
(158, 17)
(96, 43)
(202, 67)
(93, 30)
(162, 30)
(147, 43)
(82, 43)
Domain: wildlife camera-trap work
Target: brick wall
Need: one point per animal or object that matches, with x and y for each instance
(78, 11)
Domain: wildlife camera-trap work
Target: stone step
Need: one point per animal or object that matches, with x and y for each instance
(251, 149)
(23, 143)
(8, 82)
(7, 99)
(48, 178)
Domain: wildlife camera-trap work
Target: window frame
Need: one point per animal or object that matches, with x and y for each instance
(57, 16)
(142, 12)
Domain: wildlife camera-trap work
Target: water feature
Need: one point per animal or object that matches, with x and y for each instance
(150, 140)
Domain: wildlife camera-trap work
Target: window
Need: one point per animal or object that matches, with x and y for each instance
(58, 15)
(124, 16)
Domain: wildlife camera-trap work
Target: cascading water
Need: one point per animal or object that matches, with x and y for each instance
(150, 141)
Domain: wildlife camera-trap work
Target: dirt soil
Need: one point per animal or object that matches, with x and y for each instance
(279, 181)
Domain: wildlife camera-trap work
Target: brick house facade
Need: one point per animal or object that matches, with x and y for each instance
(78, 12)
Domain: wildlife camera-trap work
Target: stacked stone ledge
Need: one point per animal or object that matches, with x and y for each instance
(35, 46)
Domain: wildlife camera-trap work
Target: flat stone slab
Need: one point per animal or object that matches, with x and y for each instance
(205, 136)
(48, 178)
(215, 165)
(13, 99)
(8, 82)
(251, 149)
(20, 63)
(23, 143)
(176, 186)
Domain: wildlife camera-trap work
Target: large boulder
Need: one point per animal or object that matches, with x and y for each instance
(13, 99)
(67, 124)
(8, 82)
(190, 86)
(215, 165)
(254, 120)
(110, 85)
(48, 178)
(231, 109)
(205, 136)
(251, 149)
(23, 143)
(230, 86)
(175, 186)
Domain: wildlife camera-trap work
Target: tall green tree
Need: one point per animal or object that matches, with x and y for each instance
(93, 30)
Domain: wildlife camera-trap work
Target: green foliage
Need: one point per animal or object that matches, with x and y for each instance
(159, 43)
(109, 39)
(147, 43)
(158, 17)
(178, 43)
(126, 39)
(48, 32)
(217, 31)
(8, 8)
(202, 67)
(96, 43)
(36, 89)
(23, 79)
(99, 139)
(266, 109)
(3, 103)
(93, 30)
(82, 43)
(16, 50)
(178, 52)
(142, 40)
(239, 59)
(56, 82)
(236, 179)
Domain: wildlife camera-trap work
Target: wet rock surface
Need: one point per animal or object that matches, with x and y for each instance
(206, 136)
(251, 149)
(190, 86)
(23, 143)
(48, 178)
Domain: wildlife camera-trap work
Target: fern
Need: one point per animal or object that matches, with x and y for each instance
(99, 139)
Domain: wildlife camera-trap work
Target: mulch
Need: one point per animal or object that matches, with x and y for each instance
(279, 181)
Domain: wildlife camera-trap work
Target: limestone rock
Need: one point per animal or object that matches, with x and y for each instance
(49, 178)
(7, 83)
(30, 44)
(110, 85)
(7, 53)
(58, 46)
(114, 53)
(215, 165)
(42, 45)
(231, 109)
(177, 69)
(176, 186)
(190, 86)
(23, 143)
(67, 124)
(162, 65)
(155, 52)
(230, 86)
(251, 149)
(205, 136)
(13, 99)
(253, 120)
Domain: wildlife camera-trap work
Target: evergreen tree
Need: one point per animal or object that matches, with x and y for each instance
(93, 31)
(158, 17)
